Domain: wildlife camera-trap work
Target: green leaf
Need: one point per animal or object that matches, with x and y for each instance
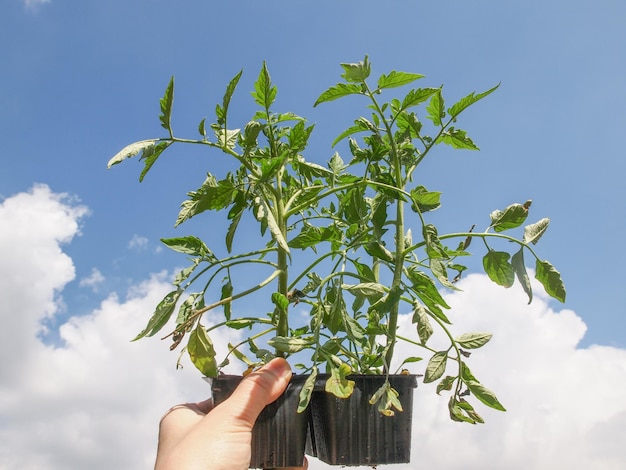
(356, 73)
(456, 412)
(280, 300)
(436, 366)
(418, 96)
(277, 235)
(377, 250)
(222, 111)
(533, 232)
(202, 128)
(150, 154)
(189, 245)
(307, 390)
(186, 308)
(264, 92)
(397, 79)
(435, 108)
(445, 384)
(498, 268)
(486, 396)
(473, 340)
(201, 352)
(457, 139)
(434, 248)
(289, 345)
(337, 383)
(517, 261)
(367, 289)
(551, 280)
(227, 291)
(299, 136)
(511, 217)
(131, 150)
(161, 315)
(212, 195)
(338, 91)
(166, 107)
(469, 100)
(424, 200)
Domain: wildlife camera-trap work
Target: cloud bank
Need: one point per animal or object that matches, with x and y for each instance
(94, 401)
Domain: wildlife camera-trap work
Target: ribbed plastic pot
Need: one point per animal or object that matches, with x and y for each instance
(352, 432)
(279, 434)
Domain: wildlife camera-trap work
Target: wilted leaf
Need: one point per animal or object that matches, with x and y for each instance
(161, 315)
(201, 352)
(337, 383)
(533, 232)
(517, 261)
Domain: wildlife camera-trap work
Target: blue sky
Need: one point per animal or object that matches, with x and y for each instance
(80, 80)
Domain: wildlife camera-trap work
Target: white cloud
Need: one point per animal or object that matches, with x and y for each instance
(94, 279)
(95, 401)
(33, 4)
(138, 243)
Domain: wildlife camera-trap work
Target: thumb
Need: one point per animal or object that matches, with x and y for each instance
(259, 389)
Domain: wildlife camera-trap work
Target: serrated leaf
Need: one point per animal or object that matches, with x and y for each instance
(338, 91)
(356, 72)
(498, 268)
(222, 111)
(469, 100)
(397, 79)
(264, 92)
(166, 107)
(435, 108)
(457, 139)
(201, 352)
(551, 280)
(473, 340)
(161, 314)
(131, 150)
(517, 261)
(486, 396)
(533, 232)
(417, 96)
(436, 366)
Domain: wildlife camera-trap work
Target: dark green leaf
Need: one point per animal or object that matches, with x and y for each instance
(227, 291)
(212, 195)
(498, 268)
(202, 128)
(166, 107)
(222, 111)
(551, 280)
(201, 352)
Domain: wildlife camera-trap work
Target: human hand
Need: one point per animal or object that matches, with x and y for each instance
(198, 436)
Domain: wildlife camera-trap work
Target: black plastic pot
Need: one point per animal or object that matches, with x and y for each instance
(350, 431)
(280, 433)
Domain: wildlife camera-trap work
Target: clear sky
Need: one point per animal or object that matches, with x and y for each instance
(79, 245)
